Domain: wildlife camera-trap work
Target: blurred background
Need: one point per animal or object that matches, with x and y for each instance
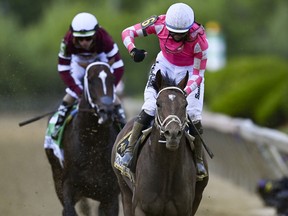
(246, 90)
(247, 67)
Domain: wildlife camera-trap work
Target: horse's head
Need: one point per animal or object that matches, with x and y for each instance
(99, 91)
(171, 114)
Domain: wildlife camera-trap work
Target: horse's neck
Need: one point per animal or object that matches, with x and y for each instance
(84, 104)
(86, 115)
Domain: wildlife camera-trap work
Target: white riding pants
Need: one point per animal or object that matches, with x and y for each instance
(78, 71)
(194, 99)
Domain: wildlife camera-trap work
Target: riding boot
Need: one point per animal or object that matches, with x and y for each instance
(120, 115)
(143, 120)
(201, 170)
(63, 110)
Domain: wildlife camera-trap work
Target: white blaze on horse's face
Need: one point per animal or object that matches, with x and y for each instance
(171, 97)
(102, 76)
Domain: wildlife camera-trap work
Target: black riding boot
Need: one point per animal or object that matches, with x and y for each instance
(63, 110)
(143, 120)
(201, 170)
(120, 115)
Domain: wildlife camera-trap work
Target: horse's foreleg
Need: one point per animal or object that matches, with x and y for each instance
(109, 208)
(84, 207)
(199, 188)
(127, 204)
(126, 195)
(68, 200)
(57, 173)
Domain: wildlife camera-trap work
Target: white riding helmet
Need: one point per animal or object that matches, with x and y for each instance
(179, 18)
(84, 25)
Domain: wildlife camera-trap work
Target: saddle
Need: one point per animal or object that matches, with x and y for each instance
(56, 145)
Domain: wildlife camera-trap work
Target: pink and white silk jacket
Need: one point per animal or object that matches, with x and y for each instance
(191, 52)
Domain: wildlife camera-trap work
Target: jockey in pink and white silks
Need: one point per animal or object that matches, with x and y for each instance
(183, 47)
(85, 42)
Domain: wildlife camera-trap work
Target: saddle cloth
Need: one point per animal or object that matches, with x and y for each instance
(122, 145)
(56, 145)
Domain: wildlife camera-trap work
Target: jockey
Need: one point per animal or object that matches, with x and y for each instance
(85, 42)
(183, 47)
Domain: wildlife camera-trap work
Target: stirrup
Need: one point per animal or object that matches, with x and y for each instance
(120, 115)
(201, 171)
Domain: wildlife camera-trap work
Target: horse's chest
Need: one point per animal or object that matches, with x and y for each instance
(91, 164)
(167, 207)
(90, 180)
(172, 202)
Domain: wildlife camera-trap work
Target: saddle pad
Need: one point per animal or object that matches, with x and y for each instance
(50, 143)
(120, 149)
(56, 145)
(123, 144)
(51, 127)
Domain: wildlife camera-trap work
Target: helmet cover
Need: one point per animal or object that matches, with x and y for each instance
(84, 25)
(179, 18)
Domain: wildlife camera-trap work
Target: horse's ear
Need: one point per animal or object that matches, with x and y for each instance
(182, 84)
(158, 79)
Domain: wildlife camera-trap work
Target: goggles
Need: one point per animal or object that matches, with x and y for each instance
(84, 38)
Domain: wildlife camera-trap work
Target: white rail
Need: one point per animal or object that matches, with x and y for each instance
(245, 152)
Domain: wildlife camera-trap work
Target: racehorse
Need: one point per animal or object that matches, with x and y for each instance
(87, 144)
(165, 177)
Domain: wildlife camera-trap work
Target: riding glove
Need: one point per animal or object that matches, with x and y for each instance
(137, 55)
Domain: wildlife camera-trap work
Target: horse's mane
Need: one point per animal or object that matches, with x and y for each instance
(166, 81)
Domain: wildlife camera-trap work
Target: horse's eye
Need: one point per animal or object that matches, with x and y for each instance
(157, 104)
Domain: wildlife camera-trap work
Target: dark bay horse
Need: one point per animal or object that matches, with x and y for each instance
(87, 145)
(165, 178)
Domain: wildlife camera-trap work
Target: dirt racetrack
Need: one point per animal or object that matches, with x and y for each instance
(26, 186)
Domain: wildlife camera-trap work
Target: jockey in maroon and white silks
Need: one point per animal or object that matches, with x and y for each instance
(73, 59)
(84, 43)
(174, 59)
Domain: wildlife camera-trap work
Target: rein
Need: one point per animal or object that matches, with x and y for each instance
(162, 125)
